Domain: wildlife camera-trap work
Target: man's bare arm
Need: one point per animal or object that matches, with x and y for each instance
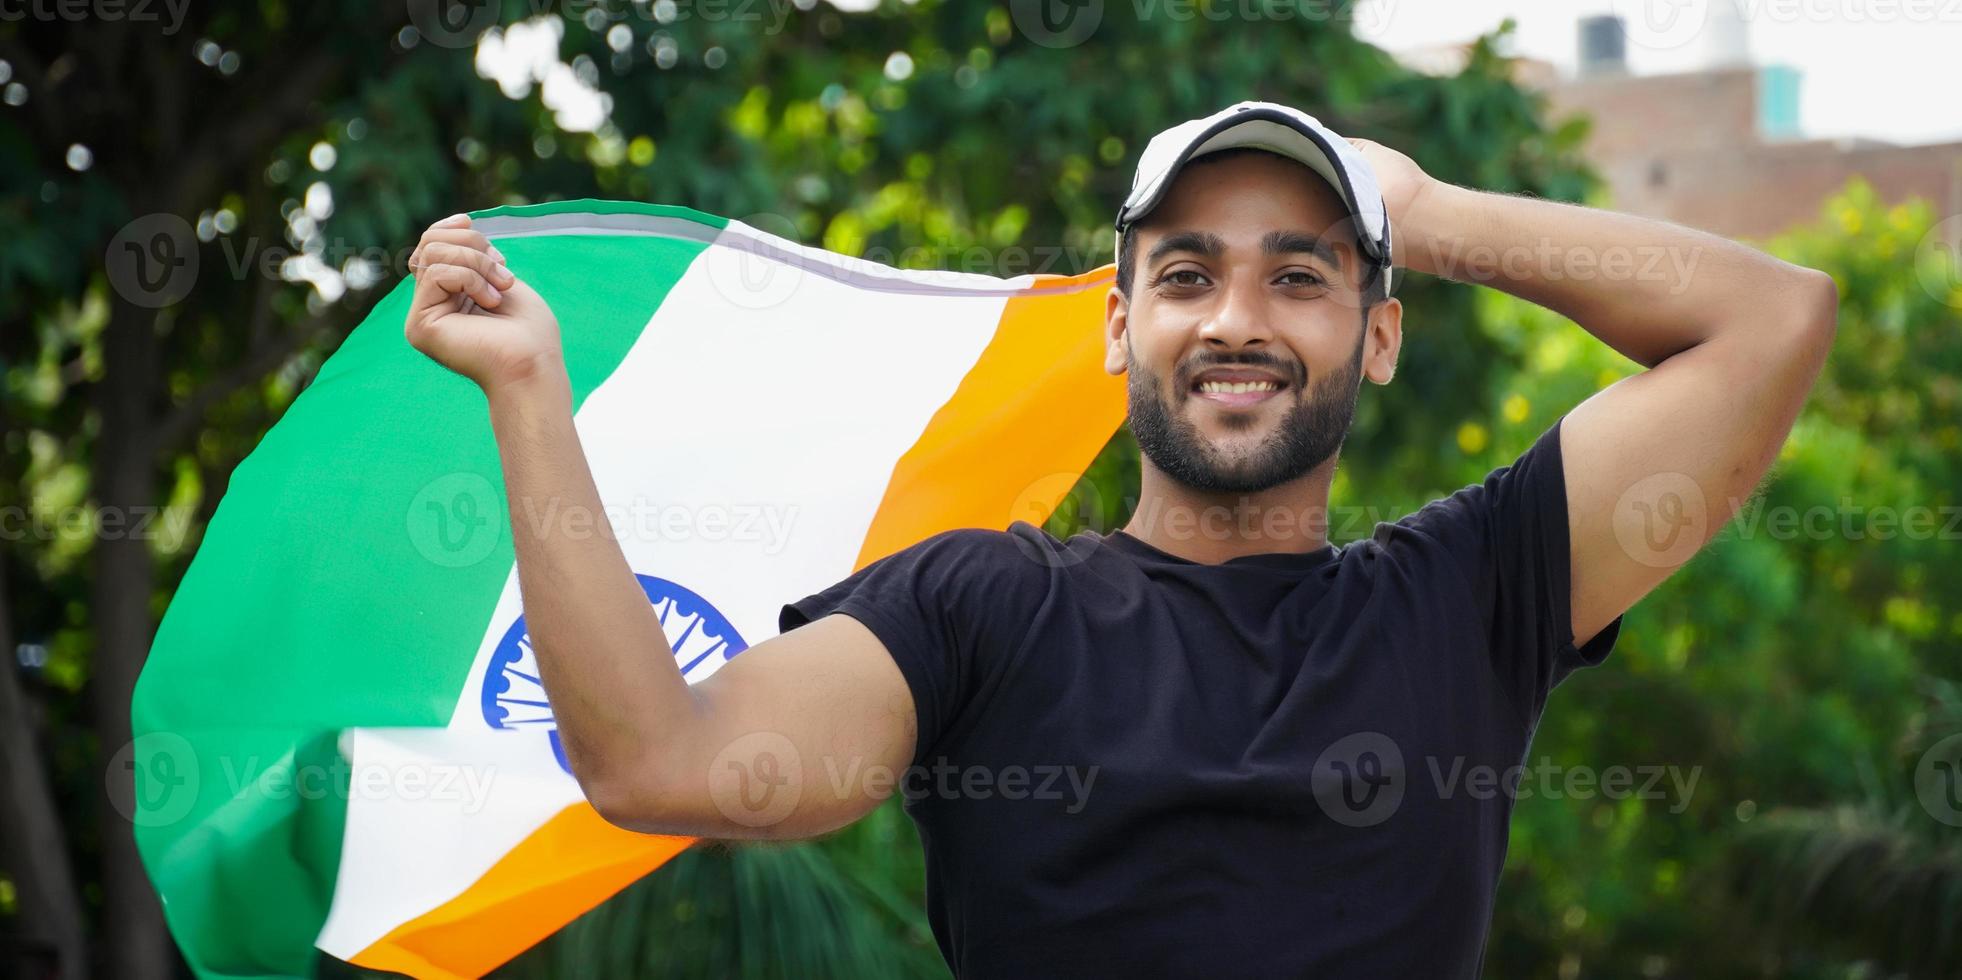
(1733, 339)
(741, 755)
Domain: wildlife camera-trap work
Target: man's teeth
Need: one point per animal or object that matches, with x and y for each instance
(1237, 387)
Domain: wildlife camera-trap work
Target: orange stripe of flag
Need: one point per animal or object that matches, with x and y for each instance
(1024, 423)
(571, 863)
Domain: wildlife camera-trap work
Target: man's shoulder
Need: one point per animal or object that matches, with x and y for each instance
(1442, 522)
(1022, 551)
(985, 582)
(1466, 517)
(968, 573)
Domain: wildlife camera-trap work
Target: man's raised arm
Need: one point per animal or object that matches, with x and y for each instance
(1734, 338)
(651, 753)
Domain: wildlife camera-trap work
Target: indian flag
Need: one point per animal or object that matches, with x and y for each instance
(342, 740)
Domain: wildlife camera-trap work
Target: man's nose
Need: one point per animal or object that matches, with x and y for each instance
(1239, 322)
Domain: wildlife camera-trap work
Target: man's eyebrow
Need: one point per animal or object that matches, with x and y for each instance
(1202, 243)
(1286, 242)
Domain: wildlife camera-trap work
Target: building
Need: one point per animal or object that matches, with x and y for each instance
(1719, 148)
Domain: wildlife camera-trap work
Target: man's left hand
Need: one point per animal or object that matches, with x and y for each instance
(1403, 183)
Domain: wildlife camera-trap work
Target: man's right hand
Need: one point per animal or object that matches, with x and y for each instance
(506, 334)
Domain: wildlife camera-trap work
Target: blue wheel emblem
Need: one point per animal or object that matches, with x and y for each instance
(513, 698)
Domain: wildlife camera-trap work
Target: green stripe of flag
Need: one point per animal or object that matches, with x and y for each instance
(345, 581)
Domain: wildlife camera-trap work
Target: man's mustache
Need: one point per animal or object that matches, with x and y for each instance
(1294, 371)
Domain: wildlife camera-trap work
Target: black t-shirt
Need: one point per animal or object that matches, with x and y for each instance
(1281, 765)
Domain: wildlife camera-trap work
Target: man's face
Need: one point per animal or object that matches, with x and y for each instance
(1243, 335)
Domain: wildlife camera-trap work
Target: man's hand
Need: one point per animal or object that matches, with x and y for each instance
(504, 334)
(1402, 183)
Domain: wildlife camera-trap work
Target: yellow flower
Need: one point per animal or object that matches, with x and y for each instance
(1516, 409)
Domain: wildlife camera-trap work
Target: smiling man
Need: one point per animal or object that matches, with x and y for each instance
(1212, 740)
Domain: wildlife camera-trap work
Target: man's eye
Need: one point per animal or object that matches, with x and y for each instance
(1298, 278)
(1182, 277)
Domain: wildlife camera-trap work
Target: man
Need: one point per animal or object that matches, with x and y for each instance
(1211, 740)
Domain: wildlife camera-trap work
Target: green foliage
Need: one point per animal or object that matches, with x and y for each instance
(1855, 882)
(849, 907)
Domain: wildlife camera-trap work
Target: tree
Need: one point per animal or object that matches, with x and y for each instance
(1871, 873)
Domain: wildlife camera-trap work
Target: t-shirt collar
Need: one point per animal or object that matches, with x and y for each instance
(1281, 560)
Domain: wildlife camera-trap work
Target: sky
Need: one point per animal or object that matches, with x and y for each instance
(1884, 69)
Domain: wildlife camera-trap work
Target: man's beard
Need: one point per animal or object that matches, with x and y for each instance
(1310, 433)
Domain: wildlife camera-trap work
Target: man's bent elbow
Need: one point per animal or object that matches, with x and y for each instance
(1818, 314)
(1810, 323)
(659, 799)
(643, 806)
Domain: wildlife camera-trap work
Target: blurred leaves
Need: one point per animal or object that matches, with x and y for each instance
(850, 906)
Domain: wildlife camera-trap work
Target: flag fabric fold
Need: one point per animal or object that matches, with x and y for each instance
(342, 743)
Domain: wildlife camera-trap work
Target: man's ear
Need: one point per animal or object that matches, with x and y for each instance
(1385, 326)
(1117, 319)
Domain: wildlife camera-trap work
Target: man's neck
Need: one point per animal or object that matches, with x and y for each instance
(1210, 528)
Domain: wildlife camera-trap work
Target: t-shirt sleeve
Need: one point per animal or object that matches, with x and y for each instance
(1509, 536)
(950, 610)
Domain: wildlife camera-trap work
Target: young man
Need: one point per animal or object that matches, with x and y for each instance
(1211, 739)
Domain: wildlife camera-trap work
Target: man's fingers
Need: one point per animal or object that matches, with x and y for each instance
(454, 236)
(434, 232)
(445, 253)
(480, 259)
(463, 237)
(455, 280)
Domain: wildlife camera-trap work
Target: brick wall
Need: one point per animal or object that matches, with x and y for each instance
(1686, 148)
